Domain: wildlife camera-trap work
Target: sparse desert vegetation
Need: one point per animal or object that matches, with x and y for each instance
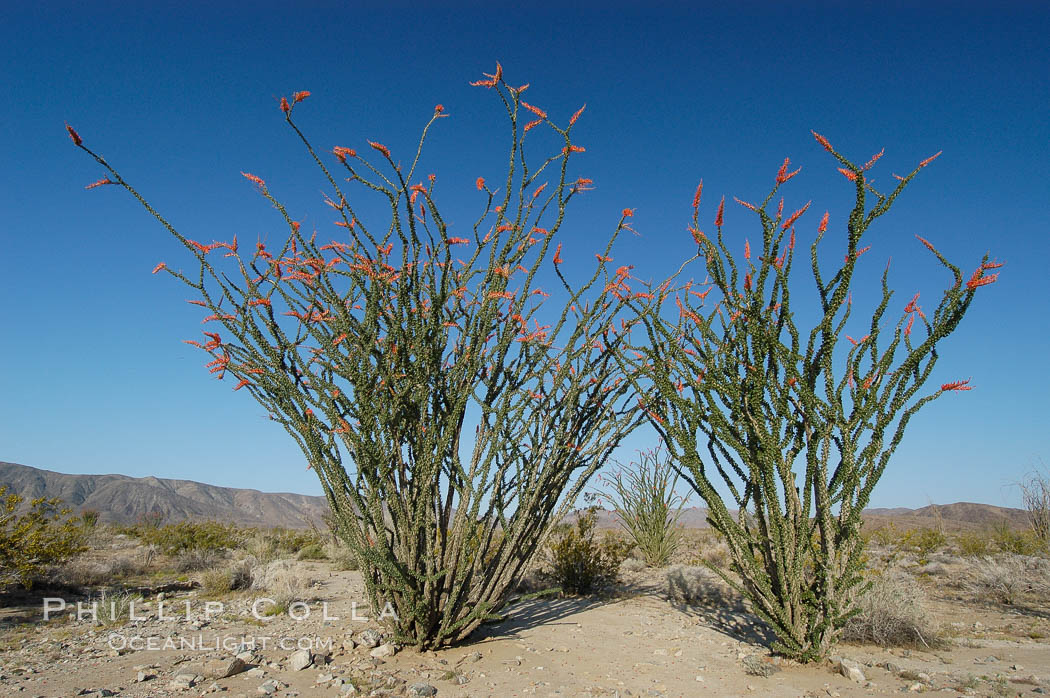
(935, 616)
(452, 432)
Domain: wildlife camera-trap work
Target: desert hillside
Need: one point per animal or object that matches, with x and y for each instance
(123, 499)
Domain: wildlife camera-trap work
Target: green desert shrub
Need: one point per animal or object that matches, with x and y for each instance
(578, 562)
(924, 541)
(973, 544)
(1018, 541)
(35, 536)
(172, 539)
(278, 543)
(314, 551)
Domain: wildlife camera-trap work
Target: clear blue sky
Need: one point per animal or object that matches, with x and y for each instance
(183, 96)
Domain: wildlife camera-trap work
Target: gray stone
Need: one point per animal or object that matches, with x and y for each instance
(269, 688)
(184, 680)
(370, 638)
(223, 668)
(300, 660)
(851, 670)
(421, 689)
(385, 650)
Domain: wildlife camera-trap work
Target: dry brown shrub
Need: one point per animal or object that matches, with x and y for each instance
(892, 613)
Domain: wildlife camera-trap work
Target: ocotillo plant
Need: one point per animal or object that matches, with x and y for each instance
(451, 416)
(794, 425)
(643, 496)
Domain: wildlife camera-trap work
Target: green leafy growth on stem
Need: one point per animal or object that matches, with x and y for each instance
(34, 536)
(376, 351)
(796, 425)
(643, 496)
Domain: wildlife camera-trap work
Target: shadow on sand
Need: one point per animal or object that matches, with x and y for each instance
(532, 612)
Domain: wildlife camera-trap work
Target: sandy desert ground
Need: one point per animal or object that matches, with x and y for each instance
(636, 639)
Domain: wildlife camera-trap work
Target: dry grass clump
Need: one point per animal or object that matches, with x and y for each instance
(1006, 578)
(195, 559)
(340, 556)
(892, 613)
(83, 572)
(112, 608)
(284, 582)
(233, 577)
(277, 543)
(690, 585)
(633, 564)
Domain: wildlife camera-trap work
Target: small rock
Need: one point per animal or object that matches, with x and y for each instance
(324, 678)
(384, 650)
(349, 644)
(183, 681)
(257, 672)
(421, 689)
(224, 668)
(143, 677)
(271, 687)
(300, 660)
(370, 638)
(916, 688)
(851, 670)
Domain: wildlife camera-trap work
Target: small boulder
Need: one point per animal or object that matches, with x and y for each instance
(851, 670)
(300, 660)
(223, 668)
(421, 689)
(384, 650)
(183, 681)
(370, 638)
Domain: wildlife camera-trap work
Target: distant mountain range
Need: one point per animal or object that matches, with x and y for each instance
(952, 517)
(124, 499)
